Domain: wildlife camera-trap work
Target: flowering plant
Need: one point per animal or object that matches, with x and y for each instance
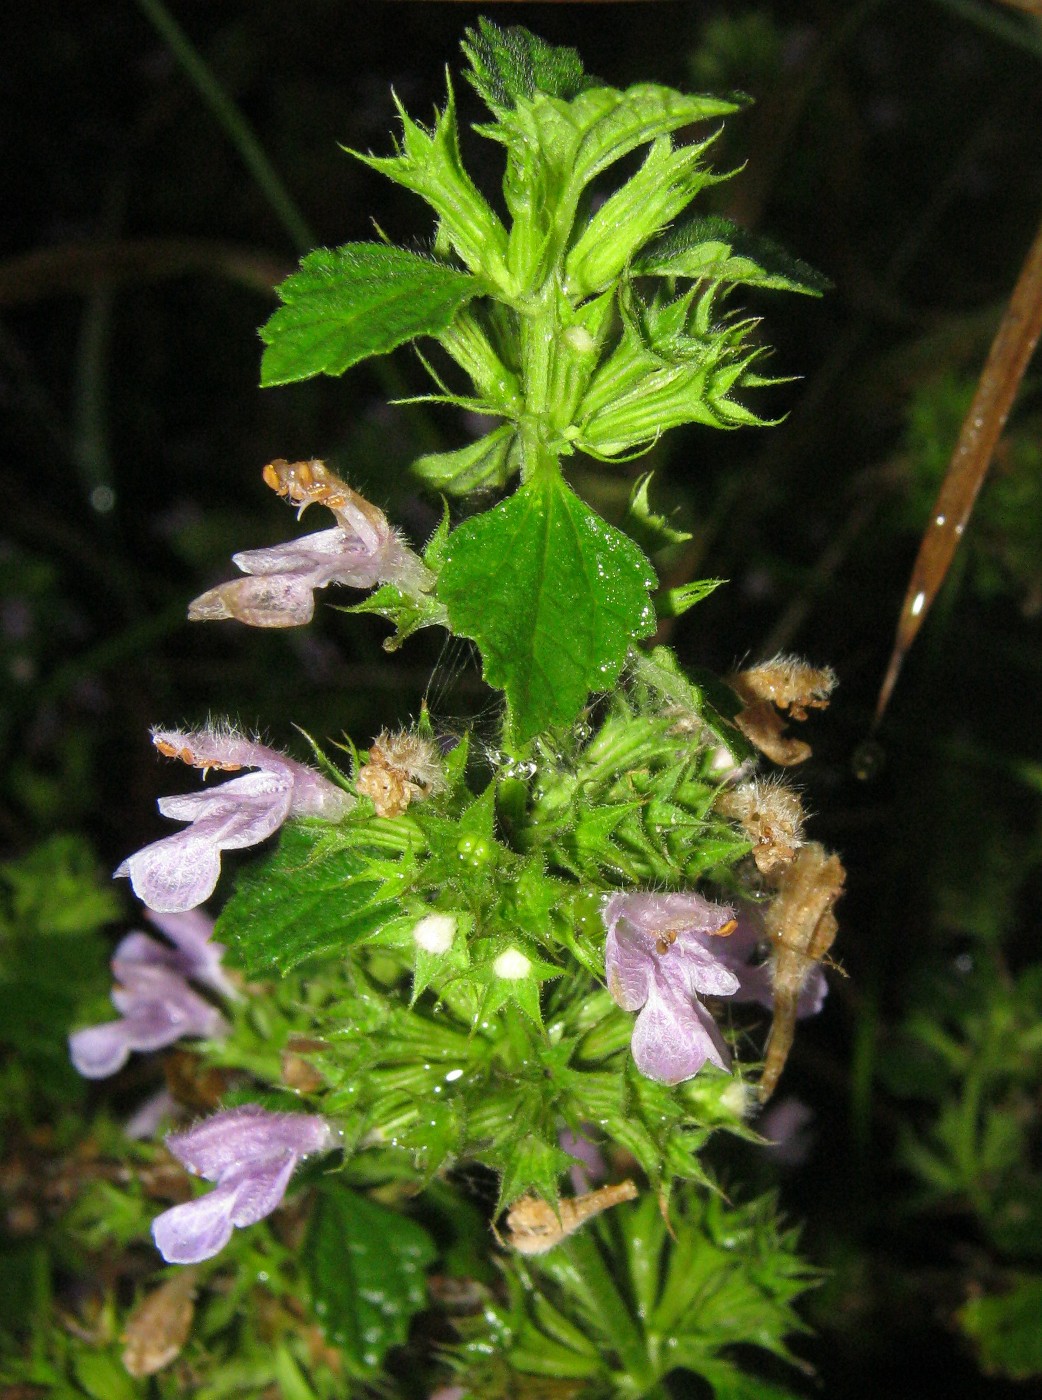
(445, 951)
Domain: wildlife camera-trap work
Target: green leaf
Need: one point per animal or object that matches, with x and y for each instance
(487, 464)
(348, 303)
(103, 1378)
(312, 896)
(673, 602)
(366, 1267)
(637, 115)
(650, 530)
(553, 596)
(511, 63)
(1005, 1329)
(716, 250)
(731, 1384)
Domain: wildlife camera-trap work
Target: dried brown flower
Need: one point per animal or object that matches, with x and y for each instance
(771, 814)
(158, 1327)
(534, 1226)
(801, 926)
(783, 684)
(402, 768)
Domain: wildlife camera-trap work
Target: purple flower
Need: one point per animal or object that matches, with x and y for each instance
(194, 954)
(589, 1166)
(660, 954)
(361, 551)
(179, 872)
(251, 1154)
(152, 995)
(146, 1118)
(756, 982)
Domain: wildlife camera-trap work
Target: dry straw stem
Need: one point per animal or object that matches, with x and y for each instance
(1006, 364)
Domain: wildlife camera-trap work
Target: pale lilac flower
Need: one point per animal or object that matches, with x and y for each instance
(146, 1118)
(179, 872)
(152, 995)
(756, 982)
(156, 1008)
(787, 1127)
(361, 551)
(195, 954)
(251, 1154)
(662, 952)
(589, 1166)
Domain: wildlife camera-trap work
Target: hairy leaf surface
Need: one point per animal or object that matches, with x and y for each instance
(348, 303)
(312, 896)
(553, 596)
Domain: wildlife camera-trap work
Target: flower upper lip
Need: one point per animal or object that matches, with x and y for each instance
(180, 871)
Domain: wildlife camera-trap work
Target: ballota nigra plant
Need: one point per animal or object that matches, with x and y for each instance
(469, 984)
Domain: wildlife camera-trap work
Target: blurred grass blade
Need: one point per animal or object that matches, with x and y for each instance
(235, 125)
(1006, 364)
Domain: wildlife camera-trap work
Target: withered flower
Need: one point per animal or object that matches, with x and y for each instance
(402, 768)
(771, 814)
(787, 685)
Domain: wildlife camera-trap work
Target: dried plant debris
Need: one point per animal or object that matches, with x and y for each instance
(158, 1327)
(534, 1226)
(402, 768)
(784, 686)
(802, 927)
(771, 815)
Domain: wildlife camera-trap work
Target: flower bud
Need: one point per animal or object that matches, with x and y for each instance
(512, 965)
(435, 933)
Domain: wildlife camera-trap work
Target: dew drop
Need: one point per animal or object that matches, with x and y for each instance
(867, 760)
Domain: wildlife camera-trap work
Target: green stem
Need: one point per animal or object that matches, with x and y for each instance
(612, 1310)
(235, 125)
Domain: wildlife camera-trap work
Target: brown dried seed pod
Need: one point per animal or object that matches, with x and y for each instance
(533, 1226)
(158, 1328)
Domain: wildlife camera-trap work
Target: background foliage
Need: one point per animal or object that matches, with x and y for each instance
(894, 147)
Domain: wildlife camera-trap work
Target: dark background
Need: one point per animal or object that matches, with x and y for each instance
(897, 147)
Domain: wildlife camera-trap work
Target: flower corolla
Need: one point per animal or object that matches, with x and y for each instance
(180, 871)
(361, 551)
(250, 1153)
(157, 1005)
(659, 958)
(663, 951)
